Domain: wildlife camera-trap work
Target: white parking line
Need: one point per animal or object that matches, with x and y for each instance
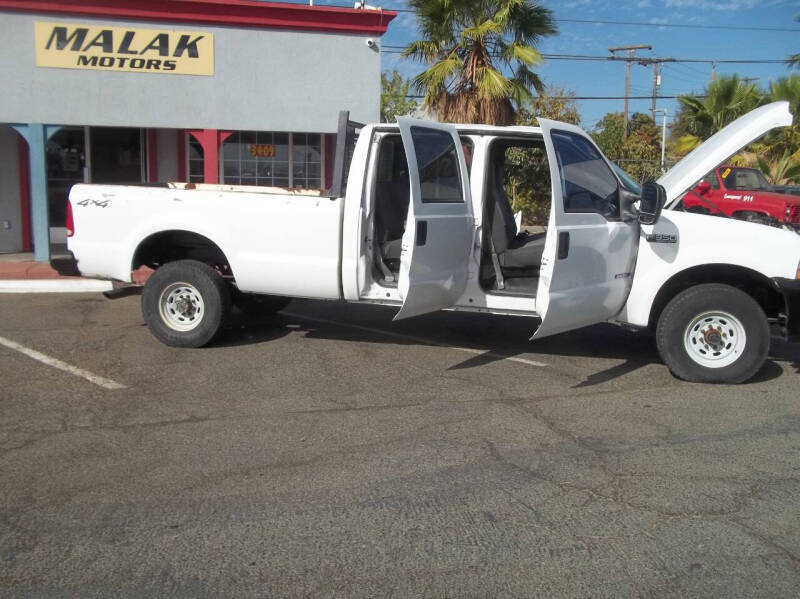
(421, 340)
(44, 359)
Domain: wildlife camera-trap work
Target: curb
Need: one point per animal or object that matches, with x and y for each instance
(54, 286)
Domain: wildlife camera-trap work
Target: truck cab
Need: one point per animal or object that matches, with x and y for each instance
(742, 193)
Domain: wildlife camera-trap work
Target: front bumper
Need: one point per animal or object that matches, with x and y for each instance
(790, 289)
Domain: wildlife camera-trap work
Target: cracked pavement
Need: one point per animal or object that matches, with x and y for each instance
(300, 457)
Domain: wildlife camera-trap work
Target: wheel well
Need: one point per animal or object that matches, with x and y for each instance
(756, 285)
(168, 246)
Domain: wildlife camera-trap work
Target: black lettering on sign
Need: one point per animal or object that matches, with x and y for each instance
(104, 40)
(125, 44)
(170, 65)
(61, 39)
(160, 43)
(106, 61)
(87, 61)
(185, 45)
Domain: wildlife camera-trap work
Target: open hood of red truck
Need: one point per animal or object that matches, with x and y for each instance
(721, 145)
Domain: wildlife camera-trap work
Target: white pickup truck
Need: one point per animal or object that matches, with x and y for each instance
(424, 223)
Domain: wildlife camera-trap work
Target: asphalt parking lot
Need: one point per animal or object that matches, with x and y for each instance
(329, 452)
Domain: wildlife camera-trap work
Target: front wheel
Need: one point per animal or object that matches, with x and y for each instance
(185, 303)
(713, 333)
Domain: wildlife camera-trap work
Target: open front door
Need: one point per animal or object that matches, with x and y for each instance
(439, 227)
(590, 252)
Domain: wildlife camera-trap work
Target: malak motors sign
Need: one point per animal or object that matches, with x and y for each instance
(68, 46)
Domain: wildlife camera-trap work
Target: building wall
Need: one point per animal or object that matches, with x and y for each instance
(265, 80)
(11, 238)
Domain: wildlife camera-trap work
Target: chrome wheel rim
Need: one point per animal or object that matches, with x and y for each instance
(181, 306)
(714, 339)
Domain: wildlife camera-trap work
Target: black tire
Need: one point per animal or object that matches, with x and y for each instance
(185, 303)
(255, 304)
(713, 324)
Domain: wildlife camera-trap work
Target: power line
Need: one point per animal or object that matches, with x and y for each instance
(648, 24)
(394, 49)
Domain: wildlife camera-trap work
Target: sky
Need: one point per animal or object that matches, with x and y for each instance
(604, 78)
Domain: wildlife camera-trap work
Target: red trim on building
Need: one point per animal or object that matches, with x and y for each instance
(152, 156)
(211, 140)
(182, 157)
(24, 193)
(238, 13)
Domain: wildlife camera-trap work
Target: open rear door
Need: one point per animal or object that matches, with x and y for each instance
(590, 252)
(439, 228)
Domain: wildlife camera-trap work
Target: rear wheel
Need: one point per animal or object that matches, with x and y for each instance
(713, 333)
(185, 303)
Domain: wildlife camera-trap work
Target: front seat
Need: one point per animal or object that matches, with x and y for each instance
(514, 249)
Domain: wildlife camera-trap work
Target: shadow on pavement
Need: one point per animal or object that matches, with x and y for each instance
(499, 337)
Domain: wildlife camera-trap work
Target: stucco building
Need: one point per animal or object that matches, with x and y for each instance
(235, 91)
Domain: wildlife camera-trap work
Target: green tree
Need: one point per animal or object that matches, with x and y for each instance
(394, 97)
(555, 103)
(528, 172)
(640, 152)
(782, 171)
(726, 99)
(480, 55)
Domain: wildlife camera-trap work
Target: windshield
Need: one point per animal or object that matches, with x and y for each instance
(628, 181)
(744, 179)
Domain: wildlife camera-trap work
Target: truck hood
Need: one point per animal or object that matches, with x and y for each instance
(721, 145)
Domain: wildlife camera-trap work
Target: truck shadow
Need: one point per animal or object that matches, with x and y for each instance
(495, 337)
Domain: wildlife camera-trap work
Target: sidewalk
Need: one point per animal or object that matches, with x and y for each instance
(19, 273)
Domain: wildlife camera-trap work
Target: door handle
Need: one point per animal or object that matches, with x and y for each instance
(563, 245)
(422, 232)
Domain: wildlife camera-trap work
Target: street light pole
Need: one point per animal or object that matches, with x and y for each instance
(663, 111)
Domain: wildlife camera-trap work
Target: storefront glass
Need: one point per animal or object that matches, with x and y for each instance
(272, 159)
(116, 155)
(65, 161)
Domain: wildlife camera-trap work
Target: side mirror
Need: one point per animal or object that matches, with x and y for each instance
(703, 187)
(627, 205)
(653, 199)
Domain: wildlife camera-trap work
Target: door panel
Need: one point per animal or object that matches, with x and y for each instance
(439, 227)
(589, 255)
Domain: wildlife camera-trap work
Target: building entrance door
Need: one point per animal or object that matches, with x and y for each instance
(66, 162)
(116, 155)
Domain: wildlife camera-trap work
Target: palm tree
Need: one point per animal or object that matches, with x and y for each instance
(726, 99)
(782, 171)
(480, 54)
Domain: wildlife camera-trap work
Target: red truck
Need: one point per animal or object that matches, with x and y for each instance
(745, 194)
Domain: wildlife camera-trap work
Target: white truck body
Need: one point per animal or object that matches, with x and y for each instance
(594, 268)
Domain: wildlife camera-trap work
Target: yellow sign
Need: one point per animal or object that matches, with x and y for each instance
(96, 47)
(262, 150)
(726, 173)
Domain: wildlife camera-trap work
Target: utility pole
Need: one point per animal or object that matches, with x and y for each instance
(656, 77)
(713, 69)
(628, 59)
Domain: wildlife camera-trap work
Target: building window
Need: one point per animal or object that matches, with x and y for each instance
(273, 159)
(306, 160)
(196, 169)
